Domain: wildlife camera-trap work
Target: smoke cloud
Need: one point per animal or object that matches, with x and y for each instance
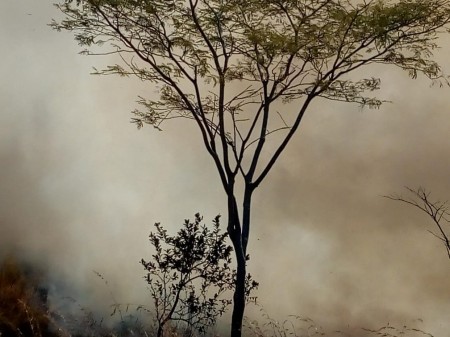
(80, 189)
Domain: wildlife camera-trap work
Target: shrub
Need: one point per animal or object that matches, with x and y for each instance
(189, 275)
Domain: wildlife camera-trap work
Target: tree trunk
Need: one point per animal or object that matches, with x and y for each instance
(238, 298)
(160, 330)
(235, 233)
(239, 238)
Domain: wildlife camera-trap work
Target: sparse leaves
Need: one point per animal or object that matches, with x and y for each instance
(280, 51)
(298, 48)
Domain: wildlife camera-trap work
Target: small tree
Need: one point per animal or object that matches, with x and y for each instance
(189, 274)
(243, 70)
(438, 211)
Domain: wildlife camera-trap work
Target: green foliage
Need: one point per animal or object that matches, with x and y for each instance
(279, 50)
(189, 274)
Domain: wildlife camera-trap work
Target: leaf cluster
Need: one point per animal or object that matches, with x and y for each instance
(190, 273)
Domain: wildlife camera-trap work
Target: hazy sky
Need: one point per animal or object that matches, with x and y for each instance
(80, 188)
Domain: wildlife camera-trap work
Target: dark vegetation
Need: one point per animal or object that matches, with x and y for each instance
(23, 302)
(24, 311)
(189, 277)
(189, 274)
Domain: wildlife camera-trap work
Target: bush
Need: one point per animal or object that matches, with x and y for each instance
(189, 275)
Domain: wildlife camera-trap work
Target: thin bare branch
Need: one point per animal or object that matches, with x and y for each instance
(436, 210)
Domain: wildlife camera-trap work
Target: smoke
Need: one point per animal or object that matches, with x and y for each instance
(80, 189)
(358, 258)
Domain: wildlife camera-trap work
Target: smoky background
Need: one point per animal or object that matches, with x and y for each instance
(80, 189)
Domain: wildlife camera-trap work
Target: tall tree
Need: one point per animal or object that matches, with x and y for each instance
(245, 71)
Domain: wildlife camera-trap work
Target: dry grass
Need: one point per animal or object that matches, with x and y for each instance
(22, 311)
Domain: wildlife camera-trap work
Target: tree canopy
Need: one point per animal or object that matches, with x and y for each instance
(275, 50)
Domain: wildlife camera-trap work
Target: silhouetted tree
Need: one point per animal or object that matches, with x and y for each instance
(242, 70)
